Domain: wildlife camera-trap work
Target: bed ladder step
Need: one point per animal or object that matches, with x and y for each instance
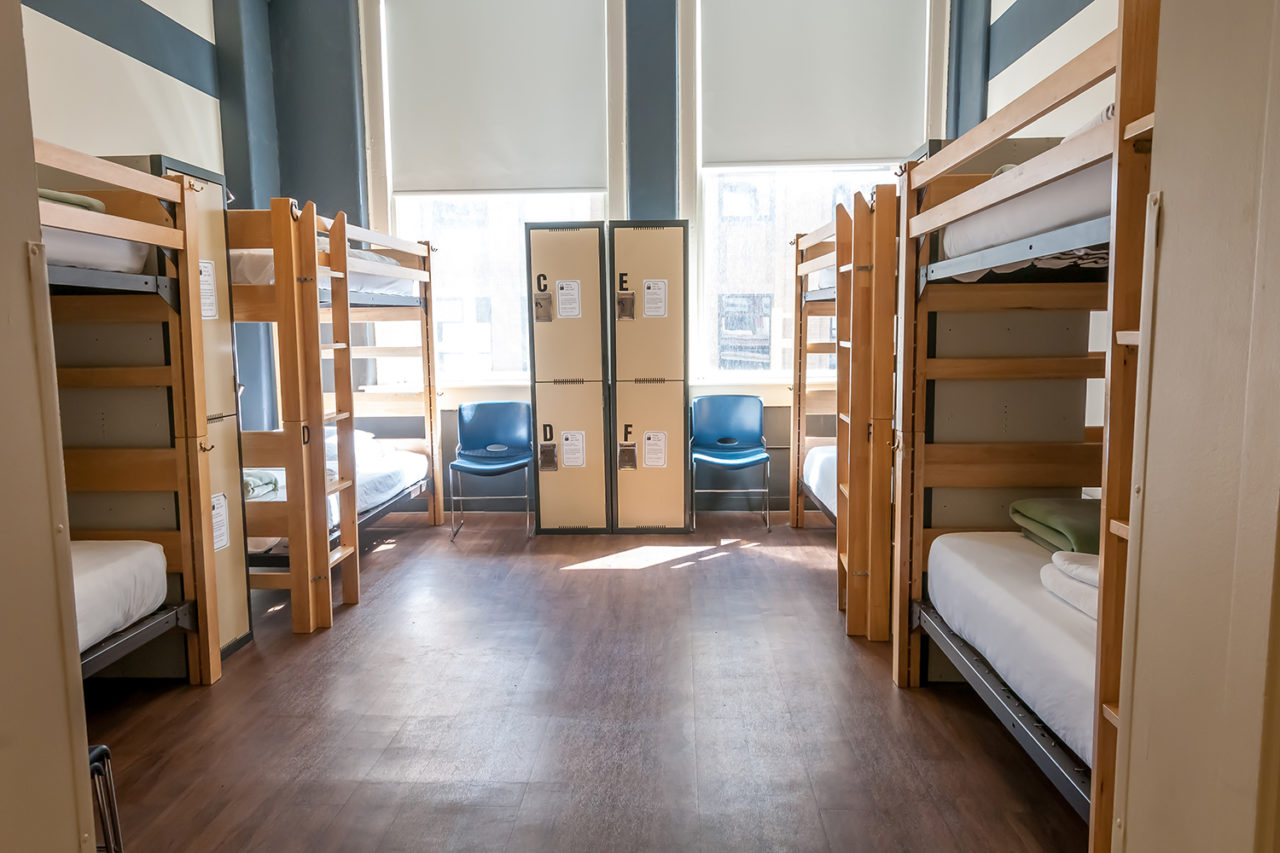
(1111, 713)
(1120, 528)
(337, 555)
(337, 486)
(334, 417)
(329, 348)
(820, 348)
(1128, 339)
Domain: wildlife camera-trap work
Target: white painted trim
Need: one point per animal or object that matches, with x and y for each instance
(616, 109)
(938, 57)
(377, 115)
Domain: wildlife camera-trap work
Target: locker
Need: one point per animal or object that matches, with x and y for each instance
(648, 272)
(570, 389)
(650, 447)
(227, 510)
(569, 458)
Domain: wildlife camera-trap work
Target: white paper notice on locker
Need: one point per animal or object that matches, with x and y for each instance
(655, 297)
(655, 449)
(568, 300)
(573, 449)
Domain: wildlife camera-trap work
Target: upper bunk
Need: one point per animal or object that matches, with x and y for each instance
(106, 227)
(1047, 218)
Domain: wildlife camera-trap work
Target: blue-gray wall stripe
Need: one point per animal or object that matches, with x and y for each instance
(142, 32)
(1023, 26)
(653, 110)
(967, 65)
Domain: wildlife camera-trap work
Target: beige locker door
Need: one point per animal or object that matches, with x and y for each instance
(215, 289)
(573, 495)
(564, 270)
(652, 494)
(225, 486)
(650, 263)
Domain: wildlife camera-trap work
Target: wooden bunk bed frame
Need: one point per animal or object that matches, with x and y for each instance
(161, 212)
(1128, 53)
(861, 248)
(298, 307)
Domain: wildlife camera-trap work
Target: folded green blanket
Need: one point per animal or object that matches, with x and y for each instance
(1060, 524)
(260, 484)
(74, 200)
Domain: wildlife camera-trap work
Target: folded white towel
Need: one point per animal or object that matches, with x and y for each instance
(1079, 595)
(1082, 567)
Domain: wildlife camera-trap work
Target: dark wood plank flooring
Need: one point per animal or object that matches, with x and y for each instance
(660, 693)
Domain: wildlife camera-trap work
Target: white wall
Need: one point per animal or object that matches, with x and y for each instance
(1208, 559)
(93, 98)
(1065, 43)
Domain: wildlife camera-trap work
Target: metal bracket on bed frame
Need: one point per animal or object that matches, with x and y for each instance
(1067, 772)
(101, 655)
(1095, 232)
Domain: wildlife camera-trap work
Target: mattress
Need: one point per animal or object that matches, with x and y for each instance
(819, 474)
(986, 586)
(65, 248)
(258, 266)
(116, 584)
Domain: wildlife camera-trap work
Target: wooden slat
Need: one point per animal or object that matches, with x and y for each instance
(95, 168)
(170, 540)
(266, 518)
(381, 404)
(379, 352)
(263, 449)
(386, 241)
(363, 267)
(385, 314)
(249, 229)
(1051, 296)
(1092, 366)
(1010, 465)
(1141, 128)
(111, 308)
(123, 470)
(824, 308)
(270, 580)
(1093, 65)
(825, 262)
(56, 215)
(820, 402)
(115, 377)
(818, 235)
(255, 303)
(820, 348)
(1071, 156)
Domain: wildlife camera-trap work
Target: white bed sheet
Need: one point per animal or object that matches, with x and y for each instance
(986, 586)
(116, 584)
(258, 266)
(1077, 198)
(65, 248)
(380, 473)
(819, 474)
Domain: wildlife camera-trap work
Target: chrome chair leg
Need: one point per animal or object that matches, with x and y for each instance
(767, 528)
(528, 531)
(693, 498)
(455, 492)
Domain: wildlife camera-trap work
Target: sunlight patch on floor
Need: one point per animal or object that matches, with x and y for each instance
(642, 557)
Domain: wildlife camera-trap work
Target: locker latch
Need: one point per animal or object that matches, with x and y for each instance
(542, 308)
(548, 456)
(626, 304)
(626, 456)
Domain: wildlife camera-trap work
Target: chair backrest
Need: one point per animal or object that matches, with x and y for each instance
(494, 430)
(728, 422)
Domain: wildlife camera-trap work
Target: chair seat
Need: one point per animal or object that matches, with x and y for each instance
(731, 458)
(490, 466)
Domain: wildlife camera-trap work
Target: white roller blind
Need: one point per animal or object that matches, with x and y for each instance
(812, 80)
(496, 94)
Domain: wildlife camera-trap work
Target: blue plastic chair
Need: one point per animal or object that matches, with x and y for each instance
(493, 439)
(728, 432)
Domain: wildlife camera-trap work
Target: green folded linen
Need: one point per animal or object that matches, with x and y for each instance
(260, 483)
(1060, 524)
(73, 199)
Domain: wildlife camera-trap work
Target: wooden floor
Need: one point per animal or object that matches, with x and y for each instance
(660, 693)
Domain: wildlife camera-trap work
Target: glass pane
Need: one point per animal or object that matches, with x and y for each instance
(478, 276)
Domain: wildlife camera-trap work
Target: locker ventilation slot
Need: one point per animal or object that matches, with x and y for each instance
(650, 380)
(568, 382)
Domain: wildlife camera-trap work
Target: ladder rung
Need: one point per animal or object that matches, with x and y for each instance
(336, 486)
(1120, 528)
(334, 417)
(1128, 339)
(332, 347)
(337, 555)
(1111, 713)
(820, 348)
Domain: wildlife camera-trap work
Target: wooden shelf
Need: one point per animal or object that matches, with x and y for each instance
(1111, 713)
(1128, 339)
(1120, 528)
(1142, 128)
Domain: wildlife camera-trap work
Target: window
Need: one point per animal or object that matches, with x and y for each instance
(742, 316)
(478, 275)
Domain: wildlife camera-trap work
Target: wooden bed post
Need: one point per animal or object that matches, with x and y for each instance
(855, 231)
(799, 336)
(430, 402)
(347, 555)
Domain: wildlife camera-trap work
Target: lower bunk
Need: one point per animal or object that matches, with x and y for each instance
(1028, 654)
(818, 479)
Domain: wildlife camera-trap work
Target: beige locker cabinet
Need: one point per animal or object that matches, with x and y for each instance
(570, 457)
(648, 270)
(225, 485)
(566, 303)
(651, 442)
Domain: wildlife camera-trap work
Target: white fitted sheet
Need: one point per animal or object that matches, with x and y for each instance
(116, 584)
(380, 474)
(258, 266)
(65, 248)
(819, 474)
(986, 586)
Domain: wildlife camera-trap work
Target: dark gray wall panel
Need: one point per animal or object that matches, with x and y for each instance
(250, 147)
(967, 65)
(1024, 25)
(653, 97)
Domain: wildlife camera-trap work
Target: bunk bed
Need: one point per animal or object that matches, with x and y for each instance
(1049, 671)
(315, 481)
(118, 253)
(851, 479)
